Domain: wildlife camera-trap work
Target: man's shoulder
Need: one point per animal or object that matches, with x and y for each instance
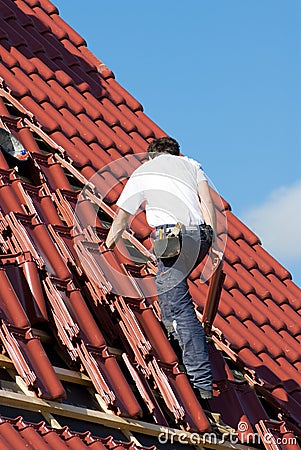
(166, 162)
(192, 161)
(150, 165)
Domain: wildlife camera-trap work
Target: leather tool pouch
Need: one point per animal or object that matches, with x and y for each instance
(167, 245)
(208, 232)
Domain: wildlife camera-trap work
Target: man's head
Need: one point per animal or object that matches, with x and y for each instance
(163, 145)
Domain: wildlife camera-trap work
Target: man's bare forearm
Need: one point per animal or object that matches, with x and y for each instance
(117, 228)
(207, 205)
(208, 211)
(209, 216)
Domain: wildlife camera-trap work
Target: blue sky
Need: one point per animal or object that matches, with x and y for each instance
(224, 78)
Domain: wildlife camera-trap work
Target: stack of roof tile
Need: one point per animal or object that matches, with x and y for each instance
(85, 135)
(20, 435)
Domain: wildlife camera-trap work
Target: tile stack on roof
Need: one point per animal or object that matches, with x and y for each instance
(19, 435)
(80, 126)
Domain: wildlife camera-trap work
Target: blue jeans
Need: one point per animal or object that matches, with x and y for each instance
(177, 310)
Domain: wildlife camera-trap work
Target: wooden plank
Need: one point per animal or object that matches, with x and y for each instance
(72, 376)
(6, 363)
(64, 410)
(68, 375)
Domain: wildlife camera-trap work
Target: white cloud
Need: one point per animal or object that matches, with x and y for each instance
(277, 223)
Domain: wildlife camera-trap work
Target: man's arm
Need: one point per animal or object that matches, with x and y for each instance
(117, 228)
(209, 215)
(207, 206)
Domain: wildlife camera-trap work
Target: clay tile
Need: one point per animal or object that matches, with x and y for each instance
(158, 132)
(9, 60)
(74, 104)
(52, 25)
(101, 67)
(13, 36)
(126, 97)
(20, 18)
(87, 102)
(16, 87)
(33, 3)
(74, 37)
(7, 13)
(48, 7)
(35, 91)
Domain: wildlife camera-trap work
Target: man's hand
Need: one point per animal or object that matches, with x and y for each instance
(109, 245)
(216, 255)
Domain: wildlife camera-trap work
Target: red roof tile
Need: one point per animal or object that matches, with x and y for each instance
(18, 435)
(80, 126)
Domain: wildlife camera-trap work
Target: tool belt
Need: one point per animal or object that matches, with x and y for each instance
(167, 242)
(208, 232)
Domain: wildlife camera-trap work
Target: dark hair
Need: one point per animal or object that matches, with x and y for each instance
(164, 145)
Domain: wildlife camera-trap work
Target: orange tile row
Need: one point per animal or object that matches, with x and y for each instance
(20, 435)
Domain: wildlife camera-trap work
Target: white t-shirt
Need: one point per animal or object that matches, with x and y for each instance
(168, 186)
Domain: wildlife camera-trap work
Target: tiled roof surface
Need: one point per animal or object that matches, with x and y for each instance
(17, 434)
(79, 125)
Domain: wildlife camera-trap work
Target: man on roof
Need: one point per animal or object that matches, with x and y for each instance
(178, 205)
